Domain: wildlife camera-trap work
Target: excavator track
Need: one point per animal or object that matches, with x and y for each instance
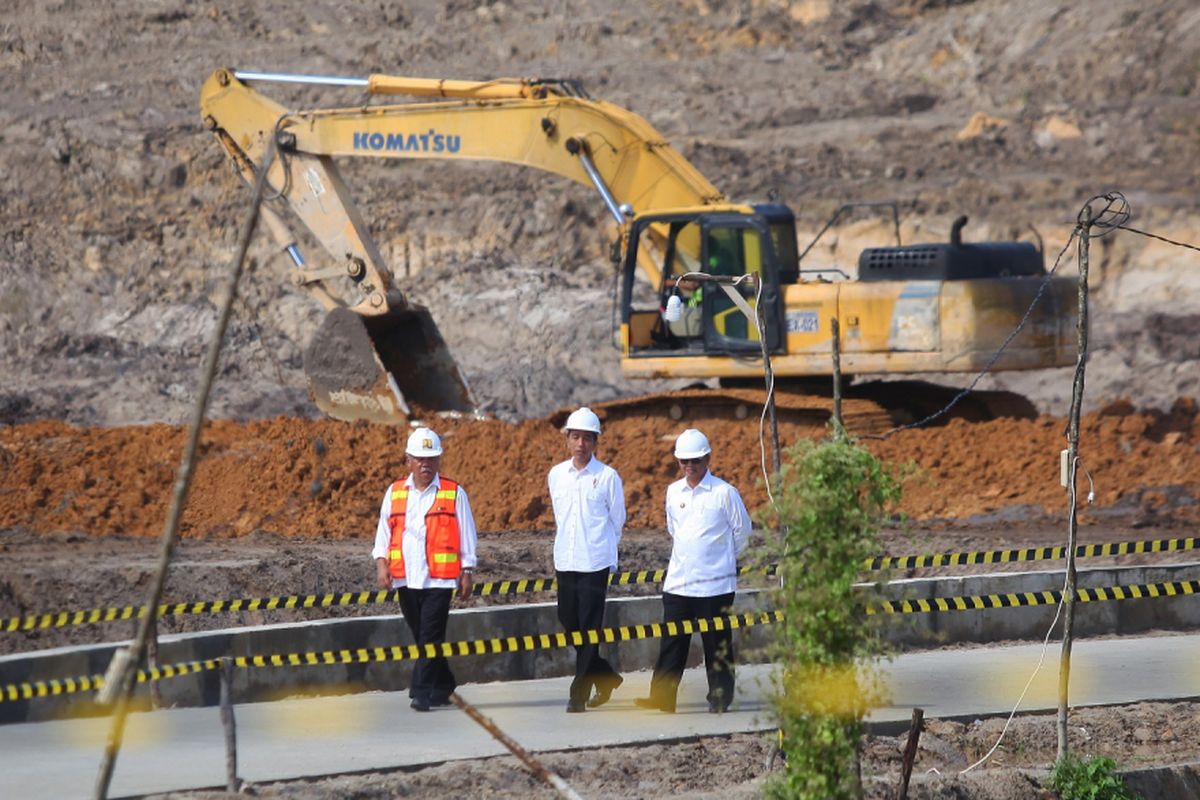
(694, 406)
(870, 408)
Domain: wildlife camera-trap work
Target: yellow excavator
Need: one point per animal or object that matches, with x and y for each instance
(681, 245)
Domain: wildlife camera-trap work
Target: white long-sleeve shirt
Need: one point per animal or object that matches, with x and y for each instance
(416, 568)
(589, 513)
(710, 528)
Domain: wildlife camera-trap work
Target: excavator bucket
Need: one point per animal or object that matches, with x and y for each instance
(386, 369)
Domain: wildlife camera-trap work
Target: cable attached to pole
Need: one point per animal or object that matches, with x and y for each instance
(730, 286)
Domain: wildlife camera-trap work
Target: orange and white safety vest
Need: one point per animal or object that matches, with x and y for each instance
(441, 531)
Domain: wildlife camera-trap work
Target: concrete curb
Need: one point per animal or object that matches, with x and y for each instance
(1179, 613)
(267, 683)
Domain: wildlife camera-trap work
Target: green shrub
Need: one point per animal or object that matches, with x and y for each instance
(1090, 778)
(830, 503)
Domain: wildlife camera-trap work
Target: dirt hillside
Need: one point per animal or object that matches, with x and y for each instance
(118, 210)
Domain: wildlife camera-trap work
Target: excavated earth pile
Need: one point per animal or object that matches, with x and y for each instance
(325, 479)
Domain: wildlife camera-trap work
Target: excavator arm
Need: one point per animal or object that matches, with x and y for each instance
(377, 352)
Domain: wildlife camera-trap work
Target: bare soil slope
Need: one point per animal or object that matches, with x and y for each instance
(118, 209)
(288, 506)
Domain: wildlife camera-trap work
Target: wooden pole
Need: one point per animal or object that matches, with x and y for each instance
(910, 751)
(229, 724)
(1064, 664)
(839, 427)
(183, 482)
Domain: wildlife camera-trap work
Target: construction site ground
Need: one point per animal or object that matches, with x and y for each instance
(734, 766)
(289, 506)
(119, 214)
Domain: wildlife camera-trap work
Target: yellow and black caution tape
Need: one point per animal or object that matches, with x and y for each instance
(531, 585)
(1032, 554)
(61, 619)
(362, 655)
(1137, 591)
(527, 586)
(497, 588)
(625, 633)
(87, 683)
(64, 618)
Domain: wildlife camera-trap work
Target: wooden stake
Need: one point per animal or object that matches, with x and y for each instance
(229, 724)
(156, 701)
(769, 380)
(910, 751)
(183, 482)
(535, 766)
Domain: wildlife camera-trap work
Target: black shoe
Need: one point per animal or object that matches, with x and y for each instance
(604, 690)
(419, 704)
(445, 701)
(574, 707)
(717, 708)
(652, 703)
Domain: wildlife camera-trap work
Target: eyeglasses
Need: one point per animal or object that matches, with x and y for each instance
(699, 460)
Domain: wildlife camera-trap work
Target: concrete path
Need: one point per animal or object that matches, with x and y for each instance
(184, 748)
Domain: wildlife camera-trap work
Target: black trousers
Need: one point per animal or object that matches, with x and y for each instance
(426, 611)
(672, 657)
(581, 598)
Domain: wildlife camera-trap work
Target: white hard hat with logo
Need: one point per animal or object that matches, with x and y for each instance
(692, 444)
(583, 419)
(423, 443)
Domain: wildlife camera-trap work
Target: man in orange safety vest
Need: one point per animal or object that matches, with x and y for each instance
(425, 549)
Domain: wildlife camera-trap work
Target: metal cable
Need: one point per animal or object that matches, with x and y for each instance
(1157, 236)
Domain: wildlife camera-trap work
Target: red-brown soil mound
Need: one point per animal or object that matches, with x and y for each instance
(325, 479)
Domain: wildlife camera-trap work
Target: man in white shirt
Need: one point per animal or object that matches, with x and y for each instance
(710, 528)
(589, 513)
(425, 549)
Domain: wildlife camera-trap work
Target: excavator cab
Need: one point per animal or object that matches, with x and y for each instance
(683, 248)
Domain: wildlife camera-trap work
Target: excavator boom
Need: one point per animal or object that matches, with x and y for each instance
(377, 354)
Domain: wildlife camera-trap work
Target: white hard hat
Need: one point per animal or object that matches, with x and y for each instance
(583, 419)
(692, 444)
(423, 443)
